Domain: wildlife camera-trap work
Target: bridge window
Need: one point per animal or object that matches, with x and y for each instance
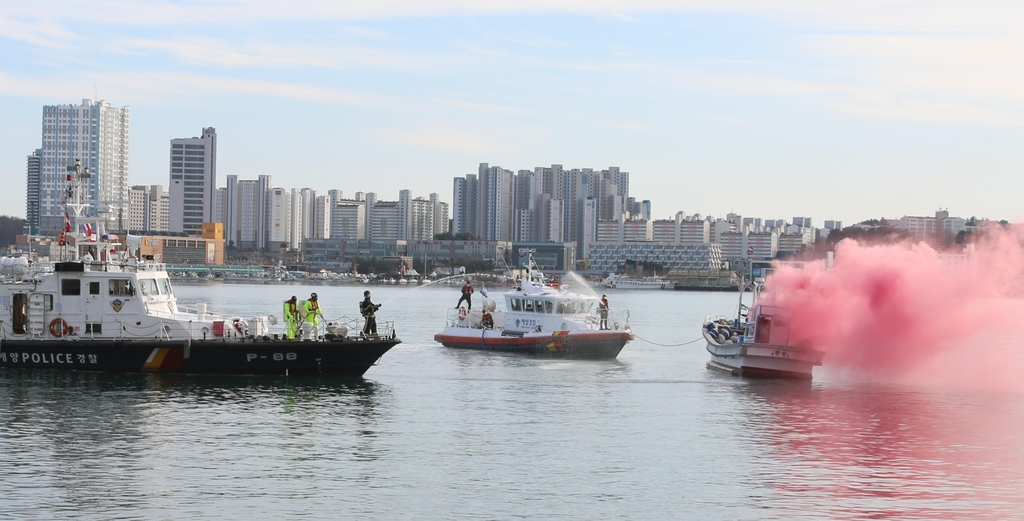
(539, 307)
(549, 306)
(121, 288)
(515, 305)
(148, 287)
(527, 305)
(94, 288)
(165, 287)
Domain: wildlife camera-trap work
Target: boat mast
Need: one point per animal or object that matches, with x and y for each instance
(74, 207)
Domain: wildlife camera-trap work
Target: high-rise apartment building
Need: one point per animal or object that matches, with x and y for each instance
(546, 204)
(348, 219)
(148, 209)
(94, 132)
(34, 176)
(193, 182)
(245, 212)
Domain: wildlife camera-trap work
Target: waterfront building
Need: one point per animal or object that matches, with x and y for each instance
(549, 256)
(456, 251)
(341, 252)
(611, 257)
(193, 182)
(96, 133)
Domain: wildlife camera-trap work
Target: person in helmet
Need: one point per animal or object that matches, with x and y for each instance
(312, 310)
(369, 311)
(291, 317)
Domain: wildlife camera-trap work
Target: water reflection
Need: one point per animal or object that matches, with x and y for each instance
(72, 436)
(885, 450)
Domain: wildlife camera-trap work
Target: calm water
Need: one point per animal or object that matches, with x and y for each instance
(433, 433)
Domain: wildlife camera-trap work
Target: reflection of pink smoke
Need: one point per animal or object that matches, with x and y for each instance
(887, 309)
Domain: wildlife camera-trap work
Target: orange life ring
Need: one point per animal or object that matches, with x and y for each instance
(462, 313)
(59, 327)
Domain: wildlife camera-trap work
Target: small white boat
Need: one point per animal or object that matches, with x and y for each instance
(757, 342)
(539, 320)
(616, 282)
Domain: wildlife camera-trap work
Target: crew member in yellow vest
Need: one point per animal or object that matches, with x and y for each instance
(291, 317)
(312, 310)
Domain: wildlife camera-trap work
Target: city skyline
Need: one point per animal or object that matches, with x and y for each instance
(837, 112)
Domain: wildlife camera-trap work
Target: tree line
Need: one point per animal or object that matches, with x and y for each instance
(10, 228)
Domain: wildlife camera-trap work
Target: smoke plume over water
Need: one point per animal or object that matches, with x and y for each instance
(906, 311)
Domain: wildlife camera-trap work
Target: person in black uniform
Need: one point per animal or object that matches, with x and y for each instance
(368, 310)
(602, 310)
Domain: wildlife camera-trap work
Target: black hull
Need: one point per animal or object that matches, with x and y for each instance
(348, 357)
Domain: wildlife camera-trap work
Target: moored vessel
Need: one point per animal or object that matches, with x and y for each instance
(101, 308)
(540, 319)
(756, 343)
(653, 282)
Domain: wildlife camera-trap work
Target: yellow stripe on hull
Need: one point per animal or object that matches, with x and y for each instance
(155, 359)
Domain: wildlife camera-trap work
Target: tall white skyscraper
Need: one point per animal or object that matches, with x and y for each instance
(279, 206)
(193, 184)
(96, 133)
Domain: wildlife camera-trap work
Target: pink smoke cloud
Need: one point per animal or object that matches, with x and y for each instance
(893, 310)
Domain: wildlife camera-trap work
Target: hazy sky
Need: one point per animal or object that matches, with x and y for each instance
(834, 110)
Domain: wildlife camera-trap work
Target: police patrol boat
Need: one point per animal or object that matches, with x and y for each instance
(757, 343)
(539, 319)
(100, 308)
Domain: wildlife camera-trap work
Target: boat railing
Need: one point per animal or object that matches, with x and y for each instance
(617, 319)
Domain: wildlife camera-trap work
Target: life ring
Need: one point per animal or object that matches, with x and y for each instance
(462, 313)
(59, 327)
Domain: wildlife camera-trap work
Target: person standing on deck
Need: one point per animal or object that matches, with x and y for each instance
(602, 311)
(312, 310)
(291, 317)
(369, 311)
(467, 295)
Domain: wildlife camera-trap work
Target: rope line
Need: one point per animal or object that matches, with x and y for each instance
(638, 337)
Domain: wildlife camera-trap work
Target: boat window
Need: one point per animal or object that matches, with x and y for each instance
(148, 287)
(549, 306)
(121, 288)
(585, 307)
(70, 287)
(515, 304)
(561, 308)
(539, 306)
(527, 305)
(48, 302)
(165, 287)
(94, 288)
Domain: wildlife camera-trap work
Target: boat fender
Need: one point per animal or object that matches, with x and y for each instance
(59, 327)
(188, 348)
